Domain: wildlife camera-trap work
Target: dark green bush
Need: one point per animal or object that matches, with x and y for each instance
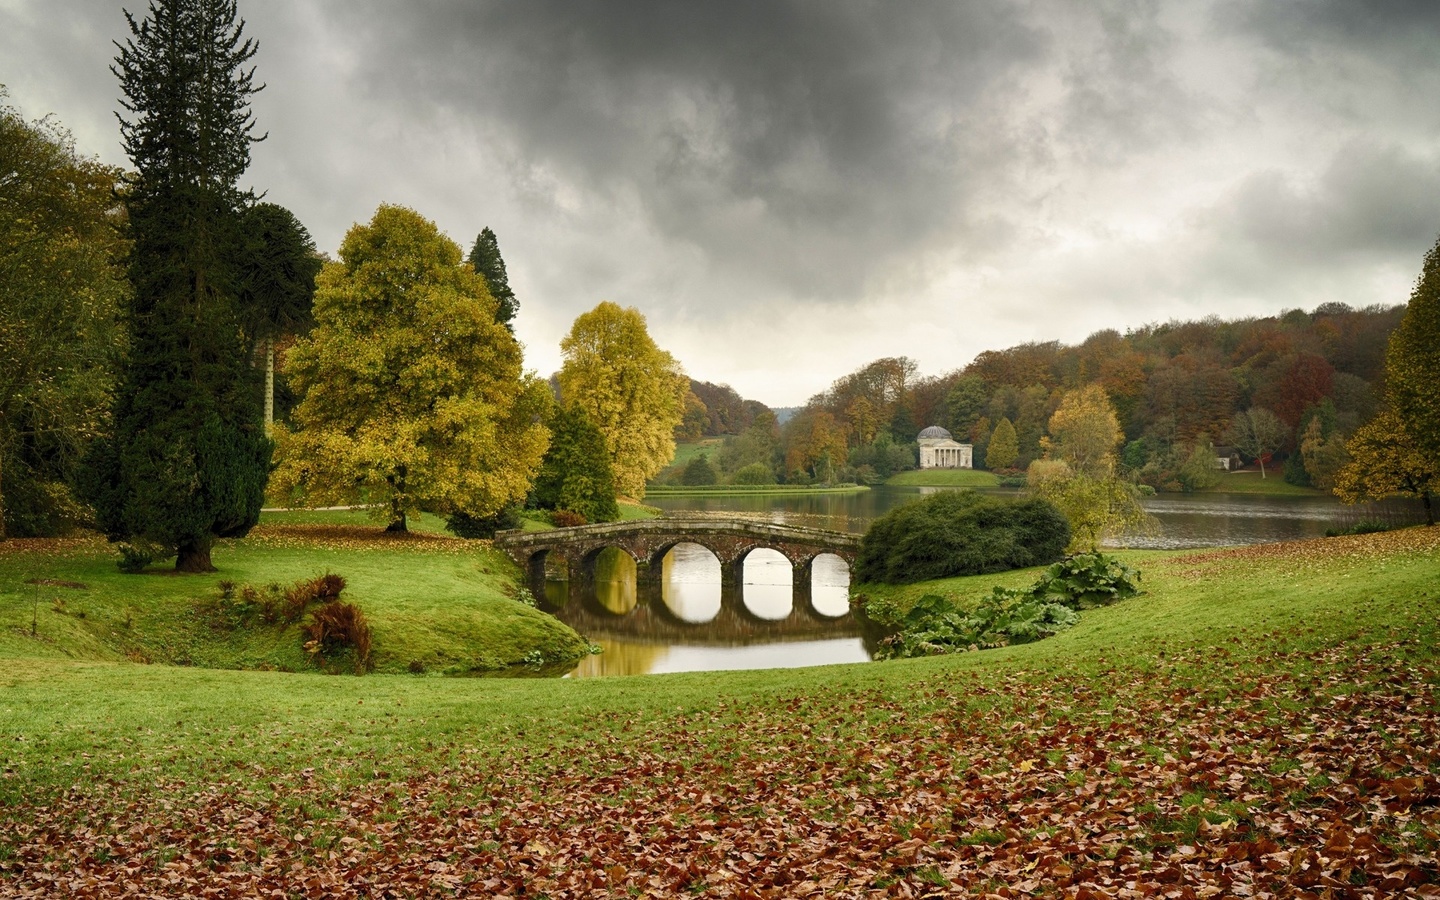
(960, 533)
(467, 526)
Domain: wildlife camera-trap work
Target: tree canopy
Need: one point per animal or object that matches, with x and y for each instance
(413, 394)
(575, 474)
(1258, 433)
(1385, 459)
(632, 390)
(189, 457)
(1004, 446)
(1412, 363)
(62, 284)
(1079, 473)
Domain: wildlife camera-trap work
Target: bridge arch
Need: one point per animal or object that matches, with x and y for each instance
(646, 542)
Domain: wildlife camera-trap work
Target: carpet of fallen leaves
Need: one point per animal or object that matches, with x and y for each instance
(1305, 773)
(356, 537)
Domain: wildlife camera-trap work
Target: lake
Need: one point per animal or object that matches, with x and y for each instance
(691, 589)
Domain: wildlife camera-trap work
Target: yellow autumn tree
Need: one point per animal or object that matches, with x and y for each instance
(413, 395)
(632, 390)
(1078, 473)
(1386, 460)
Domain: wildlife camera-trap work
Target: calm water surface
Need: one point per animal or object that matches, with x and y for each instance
(691, 590)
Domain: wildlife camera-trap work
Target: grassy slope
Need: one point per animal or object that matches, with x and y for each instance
(1258, 652)
(438, 601)
(943, 478)
(1331, 587)
(1273, 483)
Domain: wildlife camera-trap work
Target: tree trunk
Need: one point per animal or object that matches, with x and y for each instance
(1424, 498)
(397, 503)
(194, 557)
(269, 384)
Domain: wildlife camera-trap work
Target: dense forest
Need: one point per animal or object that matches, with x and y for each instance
(1176, 387)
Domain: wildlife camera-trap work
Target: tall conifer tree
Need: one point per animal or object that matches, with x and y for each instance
(188, 459)
(485, 258)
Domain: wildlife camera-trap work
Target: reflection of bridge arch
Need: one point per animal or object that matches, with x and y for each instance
(647, 542)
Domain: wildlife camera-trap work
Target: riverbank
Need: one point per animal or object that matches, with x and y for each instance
(1296, 683)
(744, 490)
(1273, 484)
(944, 478)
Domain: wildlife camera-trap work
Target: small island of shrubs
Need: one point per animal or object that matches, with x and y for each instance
(960, 533)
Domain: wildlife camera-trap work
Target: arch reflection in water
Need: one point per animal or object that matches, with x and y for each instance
(768, 584)
(615, 581)
(690, 583)
(830, 585)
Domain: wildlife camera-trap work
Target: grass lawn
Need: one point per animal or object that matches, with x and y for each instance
(433, 602)
(1261, 720)
(1274, 483)
(731, 490)
(943, 478)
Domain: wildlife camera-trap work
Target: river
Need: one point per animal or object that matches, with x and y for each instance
(691, 585)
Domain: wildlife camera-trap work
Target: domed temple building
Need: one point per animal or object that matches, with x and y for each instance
(940, 451)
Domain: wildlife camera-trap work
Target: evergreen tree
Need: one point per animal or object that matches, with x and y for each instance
(576, 474)
(188, 459)
(278, 266)
(1004, 446)
(1413, 360)
(485, 258)
(699, 471)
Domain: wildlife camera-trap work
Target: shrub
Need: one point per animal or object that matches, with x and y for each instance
(274, 603)
(1369, 526)
(135, 557)
(564, 518)
(960, 533)
(699, 471)
(754, 473)
(936, 624)
(1087, 580)
(336, 627)
(483, 527)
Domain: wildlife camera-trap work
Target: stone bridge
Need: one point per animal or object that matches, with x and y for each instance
(647, 541)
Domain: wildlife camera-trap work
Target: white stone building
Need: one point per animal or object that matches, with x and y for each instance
(939, 451)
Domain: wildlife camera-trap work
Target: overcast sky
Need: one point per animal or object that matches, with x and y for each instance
(788, 190)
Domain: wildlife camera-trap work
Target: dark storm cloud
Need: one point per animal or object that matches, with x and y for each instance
(880, 178)
(805, 141)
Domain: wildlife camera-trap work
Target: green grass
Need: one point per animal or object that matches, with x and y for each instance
(1281, 639)
(441, 604)
(633, 512)
(730, 490)
(74, 685)
(944, 478)
(1273, 483)
(688, 451)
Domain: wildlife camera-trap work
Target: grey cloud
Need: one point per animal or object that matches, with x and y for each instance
(1372, 202)
(934, 178)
